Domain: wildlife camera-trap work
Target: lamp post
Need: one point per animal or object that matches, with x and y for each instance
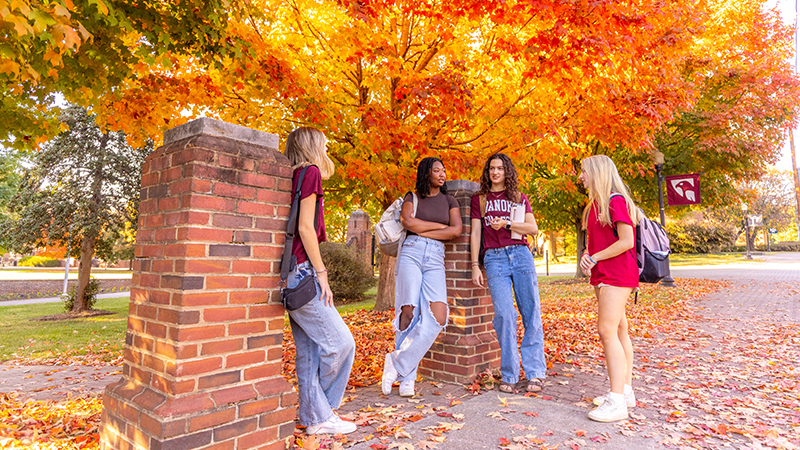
(667, 281)
(746, 231)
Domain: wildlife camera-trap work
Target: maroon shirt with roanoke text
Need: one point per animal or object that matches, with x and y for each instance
(497, 206)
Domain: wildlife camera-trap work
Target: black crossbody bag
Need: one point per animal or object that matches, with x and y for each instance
(306, 290)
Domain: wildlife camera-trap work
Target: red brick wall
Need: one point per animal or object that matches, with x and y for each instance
(469, 345)
(203, 347)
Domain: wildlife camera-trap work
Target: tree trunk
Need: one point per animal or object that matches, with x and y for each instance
(385, 297)
(580, 246)
(91, 232)
(84, 272)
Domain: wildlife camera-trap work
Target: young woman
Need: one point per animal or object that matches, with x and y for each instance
(325, 346)
(420, 289)
(510, 271)
(610, 219)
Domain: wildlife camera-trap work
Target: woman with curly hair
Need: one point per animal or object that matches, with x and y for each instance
(420, 287)
(510, 271)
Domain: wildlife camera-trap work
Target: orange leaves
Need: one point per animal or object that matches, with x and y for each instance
(373, 333)
(70, 423)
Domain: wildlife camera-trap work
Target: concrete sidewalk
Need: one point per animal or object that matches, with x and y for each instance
(32, 301)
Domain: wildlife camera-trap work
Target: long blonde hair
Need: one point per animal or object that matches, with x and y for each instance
(306, 146)
(604, 180)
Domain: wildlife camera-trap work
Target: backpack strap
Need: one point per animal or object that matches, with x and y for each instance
(288, 261)
(482, 199)
(614, 227)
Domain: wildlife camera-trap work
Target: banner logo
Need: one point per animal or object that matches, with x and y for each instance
(683, 189)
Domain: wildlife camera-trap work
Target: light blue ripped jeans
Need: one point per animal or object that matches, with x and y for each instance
(325, 352)
(511, 274)
(420, 281)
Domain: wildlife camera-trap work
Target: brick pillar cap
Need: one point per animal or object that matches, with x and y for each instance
(213, 127)
(455, 187)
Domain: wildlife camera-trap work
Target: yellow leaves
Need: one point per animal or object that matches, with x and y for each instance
(20, 24)
(9, 67)
(101, 6)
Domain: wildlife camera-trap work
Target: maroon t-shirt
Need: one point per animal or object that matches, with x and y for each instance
(497, 206)
(312, 184)
(621, 270)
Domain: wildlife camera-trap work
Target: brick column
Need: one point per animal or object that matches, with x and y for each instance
(359, 235)
(469, 345)
(203, 349)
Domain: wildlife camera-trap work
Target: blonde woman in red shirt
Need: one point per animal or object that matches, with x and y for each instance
(610, 220)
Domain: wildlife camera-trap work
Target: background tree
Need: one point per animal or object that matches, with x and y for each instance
(10, 177)
(82, 189)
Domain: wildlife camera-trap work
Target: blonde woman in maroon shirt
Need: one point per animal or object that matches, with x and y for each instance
(610, 219)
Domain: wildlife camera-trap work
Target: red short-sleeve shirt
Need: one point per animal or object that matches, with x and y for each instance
(620, 270)
(312, 184)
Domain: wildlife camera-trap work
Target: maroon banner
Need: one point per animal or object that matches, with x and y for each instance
(683, 189)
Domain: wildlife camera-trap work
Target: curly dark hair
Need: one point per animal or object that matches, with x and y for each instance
(424, 176)
(512, 180)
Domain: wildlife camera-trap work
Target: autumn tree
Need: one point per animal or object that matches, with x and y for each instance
(392, 82)
(81, 191)
(82, 49)
(746, 96)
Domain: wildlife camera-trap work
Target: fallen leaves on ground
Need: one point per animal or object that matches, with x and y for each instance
(39, 425)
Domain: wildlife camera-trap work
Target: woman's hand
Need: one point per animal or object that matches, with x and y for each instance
(477, 275)
(587, 264)
(326, 295)
(498, 223)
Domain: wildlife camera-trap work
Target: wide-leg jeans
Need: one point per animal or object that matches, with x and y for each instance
(325, 352)
(420, 281)
(511, 274)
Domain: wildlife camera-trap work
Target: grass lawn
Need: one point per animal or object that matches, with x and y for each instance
(31, 339)
(709, 259)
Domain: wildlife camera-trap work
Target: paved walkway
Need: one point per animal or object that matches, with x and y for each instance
(32, 301)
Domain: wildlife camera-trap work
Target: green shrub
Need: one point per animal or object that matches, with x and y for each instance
(348, 275)
(786, 246)
(92, 288)
(701, 236)
(38, 261)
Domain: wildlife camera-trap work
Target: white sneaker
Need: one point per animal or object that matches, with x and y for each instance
(334, 425)
(630, 399)
(407, 388)
(389, 375)
(609, 411)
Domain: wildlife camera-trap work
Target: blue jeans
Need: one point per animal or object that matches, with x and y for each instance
(510, 270)
(325, 352)
(420, 281)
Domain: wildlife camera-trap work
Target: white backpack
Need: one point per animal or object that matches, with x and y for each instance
(389, 230)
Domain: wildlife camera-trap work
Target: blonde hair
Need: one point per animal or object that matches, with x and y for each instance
(306, 146)
(604, 180)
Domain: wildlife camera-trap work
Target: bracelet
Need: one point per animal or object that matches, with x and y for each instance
(592, 260)
(475, 263)
(321, 271)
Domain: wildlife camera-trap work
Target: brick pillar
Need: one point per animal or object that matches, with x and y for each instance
(359, 235)
(203, 350)
(469, 345)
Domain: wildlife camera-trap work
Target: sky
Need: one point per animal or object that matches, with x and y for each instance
(787, 9)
